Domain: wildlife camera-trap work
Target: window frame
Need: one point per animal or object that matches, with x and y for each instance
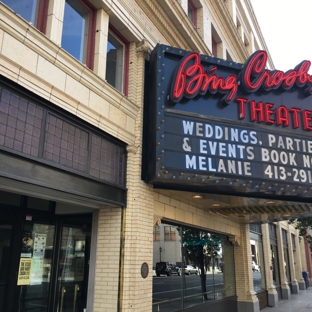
(42, 15)
(193, 19)
(125, 43)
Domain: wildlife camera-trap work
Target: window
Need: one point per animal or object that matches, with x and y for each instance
(156, 233)
(192, 13)
(33, 11)
(117, 60)
(78, 31)
(293, 241)
(216, 44)
(193, 252)
(170, 233)
(257, 259)
(214, 48)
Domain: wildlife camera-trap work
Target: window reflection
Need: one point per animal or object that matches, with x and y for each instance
(28, 9)
(115, 62)
(201, 268)
(257, 265)
(75, 30)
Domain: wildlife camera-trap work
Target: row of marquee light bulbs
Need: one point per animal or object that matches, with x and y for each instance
(261, 186)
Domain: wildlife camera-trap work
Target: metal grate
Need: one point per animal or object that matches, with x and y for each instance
(65, 143)
(20, 124)
(34, 130)
(106, 160)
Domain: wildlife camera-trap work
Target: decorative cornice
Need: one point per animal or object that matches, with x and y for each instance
(157, 220)
(144, 47)
(235, 240)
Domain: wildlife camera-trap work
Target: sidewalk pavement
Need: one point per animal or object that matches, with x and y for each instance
(301, 302)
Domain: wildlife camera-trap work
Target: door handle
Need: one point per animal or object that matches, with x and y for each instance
(62, 298)
(75, 297)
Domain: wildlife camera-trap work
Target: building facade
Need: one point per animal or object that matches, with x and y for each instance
(85, 225)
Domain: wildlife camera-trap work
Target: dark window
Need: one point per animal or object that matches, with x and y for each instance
(192, 13)
(33, 11)
(78, 31)
(284, 236)
(272, 231)
(293, 240)
(256, 228)
(117, 60)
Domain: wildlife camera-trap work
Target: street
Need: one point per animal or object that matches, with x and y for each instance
(167, 290)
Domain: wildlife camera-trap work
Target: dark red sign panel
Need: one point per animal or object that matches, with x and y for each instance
(213, 124)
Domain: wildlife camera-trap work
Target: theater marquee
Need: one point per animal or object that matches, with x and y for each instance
(216, 125)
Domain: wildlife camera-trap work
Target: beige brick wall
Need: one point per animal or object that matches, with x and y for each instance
(136, 291)
(107, 263)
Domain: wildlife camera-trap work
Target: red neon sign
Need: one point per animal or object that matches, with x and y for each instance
(191, 78)
(263, 112)
(254, 75)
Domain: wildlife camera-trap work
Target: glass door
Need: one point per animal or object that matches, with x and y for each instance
(72, 278)
(6, 234)
(34, 273)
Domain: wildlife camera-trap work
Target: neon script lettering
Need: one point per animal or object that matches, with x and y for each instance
(254, 75)
(191, 78)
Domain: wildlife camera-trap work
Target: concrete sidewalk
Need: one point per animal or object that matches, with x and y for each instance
(297, 303)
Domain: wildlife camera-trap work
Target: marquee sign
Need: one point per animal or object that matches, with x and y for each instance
(216, 125)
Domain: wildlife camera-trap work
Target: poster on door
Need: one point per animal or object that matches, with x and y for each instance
(27, 246)
(38, 258)
(24, 272)
(39, 245)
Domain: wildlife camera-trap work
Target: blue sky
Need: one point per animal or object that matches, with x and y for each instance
(286, 28)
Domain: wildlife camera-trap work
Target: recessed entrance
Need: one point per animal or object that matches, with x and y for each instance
(44, 258)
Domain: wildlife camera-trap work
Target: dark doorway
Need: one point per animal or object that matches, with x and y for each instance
(44, 258)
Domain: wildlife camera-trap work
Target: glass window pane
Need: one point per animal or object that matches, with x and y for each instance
(28, 9)
(114, 62)
(157, 233)
(274, 265)
(257, 265)
(200, 270)
(75, 30)
(167, 233)
(73, 264)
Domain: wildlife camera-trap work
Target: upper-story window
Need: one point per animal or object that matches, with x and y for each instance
(78, 31)
(214, 47)
(192, 12)
(156, 233)
(216, 43)
(33, 11)
(170, 233)
(117, 60)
